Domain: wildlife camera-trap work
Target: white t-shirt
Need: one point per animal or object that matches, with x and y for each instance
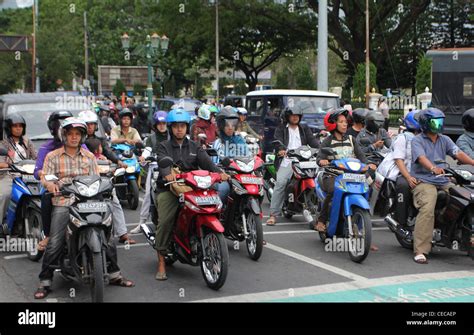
(22, 150)
(294, 142)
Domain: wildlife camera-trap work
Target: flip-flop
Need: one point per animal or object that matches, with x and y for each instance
(121, 281)
(161, 276)
(42, 292)
(420, 259)
(127, 240)
(271, 221)
(317, 227)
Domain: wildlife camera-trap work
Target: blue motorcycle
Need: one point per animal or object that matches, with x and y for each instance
(350, 210)
(128, 176)
(23, 217)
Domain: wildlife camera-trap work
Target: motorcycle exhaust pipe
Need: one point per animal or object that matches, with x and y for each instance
(148, 233)
(396, 227)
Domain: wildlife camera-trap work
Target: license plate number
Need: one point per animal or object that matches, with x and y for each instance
(252, 180)
(91, 207)
(308, 165)
(203, 201)
(29, 178)
(358, 178)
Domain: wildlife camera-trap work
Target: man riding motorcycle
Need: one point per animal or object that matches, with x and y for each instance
(375, 132)
(465, 142)
(124, 133)
(358, 121)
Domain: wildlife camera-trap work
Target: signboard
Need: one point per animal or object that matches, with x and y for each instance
(14, 43)
(129, 75)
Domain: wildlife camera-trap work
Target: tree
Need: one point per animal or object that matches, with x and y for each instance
(119, 88)
(423, 74)
(359, 80)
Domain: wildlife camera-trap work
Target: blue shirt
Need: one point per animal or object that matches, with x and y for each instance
(230, 146)
(465, 142)
(422, 145)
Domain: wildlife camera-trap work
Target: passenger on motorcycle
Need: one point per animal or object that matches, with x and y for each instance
(160, 134)
(67, 162)
(429, 149)
(141, 122)
(124, 133)
(19, 148)
(243, 125)
(345, 146)
(292, 135)
(375, 132)
(465, 142)
(189, 156)
(358, 121)
(203, 125)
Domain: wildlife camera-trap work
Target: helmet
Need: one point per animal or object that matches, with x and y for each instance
(54, 121)
(431, 120)
(331, 117)
(228, 115)
(159, 116)
(467, 119)
(204, 113)
(213, 109)
(88, 117)
(104, 108)
(298, 109)
(374, 121)
(96, 107)
(359, 115)
(14, 119)
(411, 121)
(126, 112)
(241, 111)
(178, 116)
(72, 122)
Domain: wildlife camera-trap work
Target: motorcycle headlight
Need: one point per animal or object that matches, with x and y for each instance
(191, 206)
(130, 169)
(88, 191)
(306, 154)
(465, 174)
(246, 167)
(354, 166)
(203, 182)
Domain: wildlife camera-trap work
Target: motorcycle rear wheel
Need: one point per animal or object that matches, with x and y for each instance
(34, 232)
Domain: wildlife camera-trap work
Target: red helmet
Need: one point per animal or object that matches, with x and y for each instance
(330, 119)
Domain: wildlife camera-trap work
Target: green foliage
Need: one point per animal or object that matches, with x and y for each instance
(359, 80)
(119, 88)
(423, 75)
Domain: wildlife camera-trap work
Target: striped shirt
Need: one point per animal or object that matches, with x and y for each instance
(66, 167)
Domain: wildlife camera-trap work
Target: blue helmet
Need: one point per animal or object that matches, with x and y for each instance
(431, 120)
(411, 121)
(178, 116)
(159, 116)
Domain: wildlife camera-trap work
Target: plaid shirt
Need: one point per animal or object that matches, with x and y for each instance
(66, 167)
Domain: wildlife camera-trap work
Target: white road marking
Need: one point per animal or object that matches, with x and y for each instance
(132, 245)
(338, 287)
(16, 256)
(324, 266)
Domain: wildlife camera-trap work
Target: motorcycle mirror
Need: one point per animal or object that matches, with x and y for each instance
(202, 136)
(3, 152)
(51, 177)
(147, 152)
(165, 162)
(226, 162)
(328, 151)
(119, 172)
(211, 152)
(365, 141)
(243, 134)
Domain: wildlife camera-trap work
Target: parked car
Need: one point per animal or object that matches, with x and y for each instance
(187, 104)
(235, 100)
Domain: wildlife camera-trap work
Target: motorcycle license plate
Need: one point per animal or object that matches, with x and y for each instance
(358, 178)
(29, 178)
(252, 180)
(92, 207)
(205, 201)
(308, 165)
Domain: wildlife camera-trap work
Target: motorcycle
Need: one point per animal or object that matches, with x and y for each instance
(88, 232)
(454, 212)
(23, 217)
(242, 216)
(130, 192)
(351, 192)
(150, 161)
(198, 234)
(269, 175)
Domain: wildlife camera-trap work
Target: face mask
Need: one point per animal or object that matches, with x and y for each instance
(436, 125)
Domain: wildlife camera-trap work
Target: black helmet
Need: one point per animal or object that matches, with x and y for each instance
(228, 114)
(297, 109)
(14, 119)
(359, 115)
(374, 121)
(54, 121)
(467, 120)
(126, 112)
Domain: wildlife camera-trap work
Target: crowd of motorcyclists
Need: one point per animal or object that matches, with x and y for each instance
(411, 161)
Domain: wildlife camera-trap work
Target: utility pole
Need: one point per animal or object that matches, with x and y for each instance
(35, 82)
(86, 54)
(217, 49)
(323, 45)
(367, 54)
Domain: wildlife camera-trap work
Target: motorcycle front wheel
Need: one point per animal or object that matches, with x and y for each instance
(255, 238)
(97, 277)
(360, 241)
(215, 259)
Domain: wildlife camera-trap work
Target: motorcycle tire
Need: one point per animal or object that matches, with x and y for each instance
(133, 194)
(216, 241)
(403, 242)
(356, 255)
(255, 240)
(34, 232)
(97, 282)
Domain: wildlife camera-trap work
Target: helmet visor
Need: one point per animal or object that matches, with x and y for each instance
(436, 125)
(231, 123)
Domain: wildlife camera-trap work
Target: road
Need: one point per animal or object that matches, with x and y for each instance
(294, 267)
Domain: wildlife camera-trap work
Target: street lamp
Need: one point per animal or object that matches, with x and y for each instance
(153, 44)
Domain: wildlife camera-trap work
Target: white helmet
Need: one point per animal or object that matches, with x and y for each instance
(241, 110)
(204, 112)
(72, 122)
(88, 117)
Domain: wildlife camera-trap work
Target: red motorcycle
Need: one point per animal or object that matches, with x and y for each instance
(242, 216)
(198, 234)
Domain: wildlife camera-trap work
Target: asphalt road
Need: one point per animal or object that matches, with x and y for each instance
(294, 267)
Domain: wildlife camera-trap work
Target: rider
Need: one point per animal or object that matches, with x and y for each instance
(107, 122)
(375, 132)
(153, 141)
(141, 122)
(428, 149)
(189, 156)
(124, 133)
(69, 161)
(345, 146)
(203, 125)
(19, 148)
(292, 135)
(465, 142)
(243, 125)
(358, 121)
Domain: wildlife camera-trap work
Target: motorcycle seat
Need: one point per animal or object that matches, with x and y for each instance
(442, 199)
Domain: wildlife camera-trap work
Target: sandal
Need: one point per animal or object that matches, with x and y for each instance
(121, 281)
(42, 244)
(42, 292)
(320, 227)
(373, 247)
(125, 239)
(161, 276)
(271, 221)
(420, 259)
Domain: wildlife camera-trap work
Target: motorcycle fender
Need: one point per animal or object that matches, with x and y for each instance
(307, 183)
(354, 200)
(254, 206)
(209, 221)
(130, 177)
(93, 238)
(36, 202)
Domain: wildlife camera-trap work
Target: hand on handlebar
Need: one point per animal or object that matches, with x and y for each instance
(323, 162)
(437, 171)
(281, 153)
(169, 178)
(52, 187)
(224, 176)
(379, 144)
